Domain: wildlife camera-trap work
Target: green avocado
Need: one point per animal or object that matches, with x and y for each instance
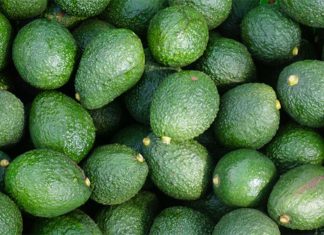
(297, 198)
(58, 122)
(111, 64)
(84, 8)
(132, 217)
(181, 220)
(248, 116)
(46, 183)
(12, 118)
(177, 36)
(184, 105)
(44, 53)
(11, 222)
(75, 222)
(4, 163)
(5, 31)
(246, 221)
(23, 9)
(301, 91)
(270, 36)
(120, 168)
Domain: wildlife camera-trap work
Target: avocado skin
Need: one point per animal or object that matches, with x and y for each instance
(269, 35)
(12, 119)
(6, 31)
(116, 166)
(75, 222)
(3, 156)
(190, 161)
(248, 117)
(44, 53)
(165, 44)
(11, 222)
(58, 122)
(132, 217)
(85, 8)
(181, 220)
(184, 105)
(227, 62)
(60, 186)
(306, 12)
(295, 145)
(23, 9)
(245, 178)
(246, 221)
(295, 195)
(303, 101)
(132, 14)
(214, 11)
(111, 64)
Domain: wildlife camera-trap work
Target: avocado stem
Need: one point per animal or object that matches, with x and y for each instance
(87, 182)
(140, 158)
(4, 163)
(77, 96)
(278, 105)
(216, 180)
(295, 51)
(146, 141)
(166, 140)
(284, 219)
(293, 80)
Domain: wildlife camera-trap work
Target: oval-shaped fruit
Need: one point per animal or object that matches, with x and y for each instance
(58, 122)
(181, 220)
(295, 145)
(86, 8)
(12, 118)
(23, 9)
(132, 217)
(184, 105)
(117, 173)
(5, 31)
(46, 183)
(11, 222)
(270, 36)
(4, 163)
(111, 64)
(243, 178)
(180, 170)
(246, 221)
(177, 36)
(301, 91)
(248, 116)
(75, 222)
(306, 12)
(44, 53)
(297, 199)
(214, 11)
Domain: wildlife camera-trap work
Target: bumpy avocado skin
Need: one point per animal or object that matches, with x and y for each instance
(5, 31)
(23, 9)
(85, 8)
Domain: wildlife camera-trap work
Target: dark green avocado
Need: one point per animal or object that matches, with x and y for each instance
(23, 9)
(83, 8)
(5, 31)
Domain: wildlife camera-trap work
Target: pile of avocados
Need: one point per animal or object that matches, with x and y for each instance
(161, 117)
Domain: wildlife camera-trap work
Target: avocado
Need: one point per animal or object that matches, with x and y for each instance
(138, 100)
(181, 220)
(243, 178)
(83, 8)
(11, 222)
(177, 36)
(88, 30)
(295, 145)
(246, 221)
(306, 12)
(131, 136)
(12, 118)
(270, 36)
(301, 91)
(46, 183)
(214, 11)
(248, 116)
(132, 14)
(180, 170)
(227, 62)
(184, 105)
(75, 222)
(231, 26)
(132, 217)
(4, 163)
(117, 173)
(58, 122)
(44, 53)
(107, 119)
(296, 199)
(5, 31)
(111, 64)
(23, 9)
